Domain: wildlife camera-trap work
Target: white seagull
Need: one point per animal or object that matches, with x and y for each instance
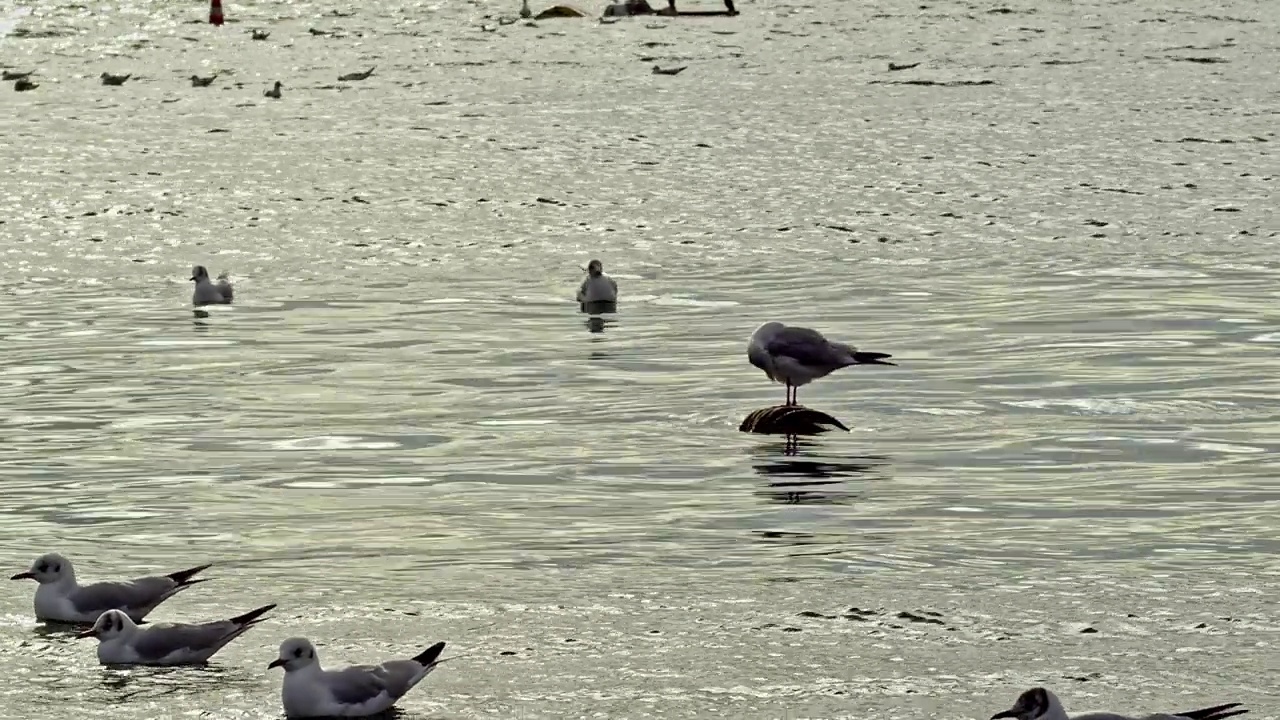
(597, 287)
(61, 599)
(1040, 704)
(206, 293)
(797, 356)
(357, 691)
(121, 642)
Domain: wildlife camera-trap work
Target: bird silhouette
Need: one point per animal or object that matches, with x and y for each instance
(260, 34)
(274, 92)
(356, 75)
(668, 71)
(109, 79)
(24, 85)
(901, 66)
(15, 75)
(197, 81)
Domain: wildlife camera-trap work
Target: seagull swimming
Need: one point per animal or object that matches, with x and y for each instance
(1040, 704)
(121, 642)
(206, 293)
(274, 93)
(61, 599)
(360, 690)
(597, 287)
(797, 356)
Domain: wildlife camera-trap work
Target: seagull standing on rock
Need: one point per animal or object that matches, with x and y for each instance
(797, 356)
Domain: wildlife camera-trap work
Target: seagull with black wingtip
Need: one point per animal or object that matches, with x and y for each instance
(1040, 704)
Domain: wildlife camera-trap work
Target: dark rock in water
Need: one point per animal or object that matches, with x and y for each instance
(789, 420)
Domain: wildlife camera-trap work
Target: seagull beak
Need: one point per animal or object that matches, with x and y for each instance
(1012, 713)
(91, 632)
(276, 663)
(28, 575)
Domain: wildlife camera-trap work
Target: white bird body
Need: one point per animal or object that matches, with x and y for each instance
(1040, 704)
(310, 691)
(121, 642)
(60, 598)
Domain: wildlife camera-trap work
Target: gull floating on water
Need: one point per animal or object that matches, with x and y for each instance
(310, 691)
(597, 287)
(260, 34)
(797, 356)
(274, 92)
(61, 599)
(206, 293)
(15, 75)
(109, 79)
(121, 642)
(1040, 704)
(357, 75)
(197, 81)
(668, 71)
(23, 85)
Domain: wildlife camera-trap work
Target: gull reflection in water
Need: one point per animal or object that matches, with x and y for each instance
(793, 479)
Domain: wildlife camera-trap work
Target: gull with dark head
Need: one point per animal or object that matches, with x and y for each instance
(797, 356)
(357, 691)
(597, 287)
(122, 642)
(206, 293)
(59, 598)
(1040, 704)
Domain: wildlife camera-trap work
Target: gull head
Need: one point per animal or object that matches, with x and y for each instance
(595, 268)
(198, 273)
(295, 654)
(50, 568)
(109, 626)
(1034, 704)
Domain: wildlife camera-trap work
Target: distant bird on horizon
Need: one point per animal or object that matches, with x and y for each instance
(669, 71)
(597, 287)
(109, 79)
(260, 34)
(206, 293)
(23, 85)
(274, 92)
(15, 75)
(357, 75)
(893, 66)
(197, 81)
(797, 356)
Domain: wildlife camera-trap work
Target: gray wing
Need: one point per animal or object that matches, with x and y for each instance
(614, 284)
(1113, 716)
(582, 290)
(806, 346)
(402, 675)
(130, 595)
(357, 684)
(159, 641)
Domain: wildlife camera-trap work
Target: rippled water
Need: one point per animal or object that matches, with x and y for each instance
(402, 431)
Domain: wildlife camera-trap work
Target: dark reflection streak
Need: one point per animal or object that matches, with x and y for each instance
(784, 472)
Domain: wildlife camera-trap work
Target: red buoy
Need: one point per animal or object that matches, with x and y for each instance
(215, 12)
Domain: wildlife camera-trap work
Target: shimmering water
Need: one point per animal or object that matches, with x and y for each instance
(404, 432)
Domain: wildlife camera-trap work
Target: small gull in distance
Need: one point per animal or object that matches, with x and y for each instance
(197, 81)
(109, 79)
(349, 77)
(274, 93)
(15, 75)
(597, 287)
(1040, 704)
(358, 691)
(121, 642)
(23, 85)
(668, 71)
(797, 356)
(206, 293)
(59, 598)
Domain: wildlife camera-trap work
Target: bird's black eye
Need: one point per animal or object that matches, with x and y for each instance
(297, 652)
(57, 568)
(42, 567)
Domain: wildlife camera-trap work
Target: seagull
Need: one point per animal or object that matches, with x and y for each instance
(121, 642)
(61, 599)
(893, 66)
(525, 12)
(109, 79)
(23, 85)
(260, 34)
(597, 287)
(206, 293)
(1040, 704)
(274, 92)
(15, 75)
(197, 81)
(358, 691)
(357, 75)
(668, 71)
(797, 356)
